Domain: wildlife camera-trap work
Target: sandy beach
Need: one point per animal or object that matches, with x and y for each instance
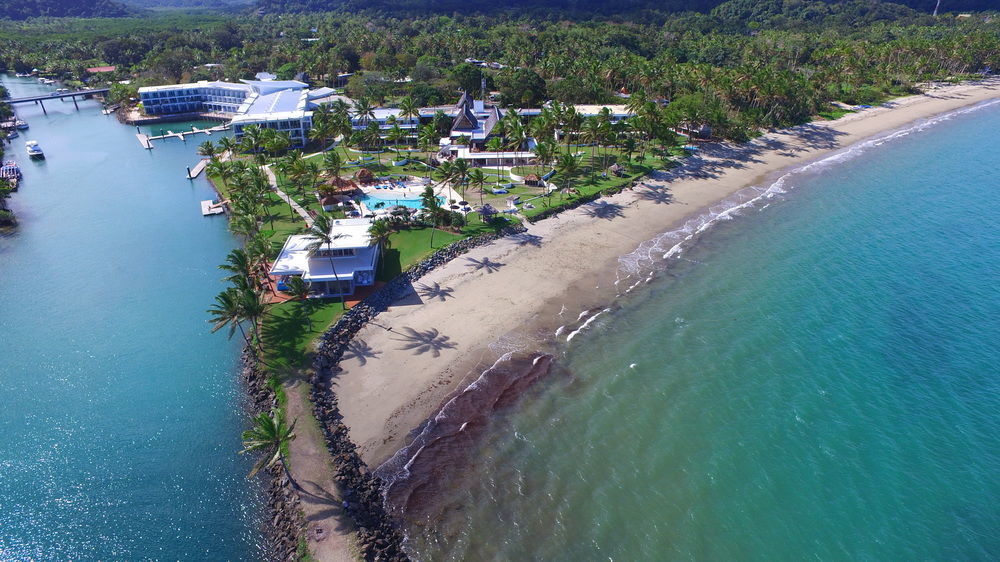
(514, 293)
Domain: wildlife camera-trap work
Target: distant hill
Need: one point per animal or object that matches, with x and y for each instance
(24, 9)
(574, 7)
(209, 4)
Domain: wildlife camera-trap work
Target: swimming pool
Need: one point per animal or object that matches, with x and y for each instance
(371, 200)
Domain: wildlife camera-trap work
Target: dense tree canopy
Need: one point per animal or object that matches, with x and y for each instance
(23, 9)
(753, 64)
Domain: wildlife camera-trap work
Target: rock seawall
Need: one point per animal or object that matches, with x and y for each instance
(284, 523)
(379, 536)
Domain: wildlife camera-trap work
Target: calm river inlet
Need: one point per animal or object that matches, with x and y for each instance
(122, 413)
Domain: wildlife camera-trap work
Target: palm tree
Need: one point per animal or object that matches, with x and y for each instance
(240, 267)
(221, 170)
(478, 179)
(333, 164)
(321, 230)
(460, 175)
(495, 144)
(408, 109)
(427, 138)
(229, 144)
(380, 232)
(322, 131)
(228, 312)
(298, 288)
(567, 167)
(207, 149)
(253, 138)
(269, 436)
(431, 206)
(372, 136)
(363, 111)
(278, 143)
(395, 136)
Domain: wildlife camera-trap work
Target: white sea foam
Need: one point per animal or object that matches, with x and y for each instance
(650, 255)
(585, 325)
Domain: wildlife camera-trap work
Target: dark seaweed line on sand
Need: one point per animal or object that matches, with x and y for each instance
(379, 536)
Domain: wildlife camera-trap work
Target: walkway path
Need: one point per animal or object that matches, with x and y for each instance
(284, 196)
(329, 531)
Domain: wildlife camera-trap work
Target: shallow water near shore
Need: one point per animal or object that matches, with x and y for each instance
(121, 413)
(815, 379)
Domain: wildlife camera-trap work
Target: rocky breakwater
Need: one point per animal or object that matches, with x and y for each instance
(285, 523)
(379, 535)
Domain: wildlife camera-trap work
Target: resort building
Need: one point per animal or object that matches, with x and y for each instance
(474, 121)
(386, 119)
(285, 105)
(335, 269)
(217, 97)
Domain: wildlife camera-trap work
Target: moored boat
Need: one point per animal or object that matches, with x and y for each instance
(10, 171)
(33, 149)
(21, 124)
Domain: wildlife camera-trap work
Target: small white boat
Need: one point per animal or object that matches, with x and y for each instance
(22, 75)
(21, 124)
(33, 149)
(13, 135)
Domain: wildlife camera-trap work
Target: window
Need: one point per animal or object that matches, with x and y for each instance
(335, 252)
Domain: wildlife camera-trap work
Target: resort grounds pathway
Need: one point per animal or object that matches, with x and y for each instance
(284, 196)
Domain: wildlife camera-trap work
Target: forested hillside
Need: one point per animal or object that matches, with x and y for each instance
(23, 9)
(586, 8)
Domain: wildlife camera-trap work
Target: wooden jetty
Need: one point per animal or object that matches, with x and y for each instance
(209, 207)
(198, 169)
(194, 131)
(147, 141)
(144, 141)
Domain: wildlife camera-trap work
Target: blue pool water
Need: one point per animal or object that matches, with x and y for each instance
(122, 413)
(372, 199)
(816, 379)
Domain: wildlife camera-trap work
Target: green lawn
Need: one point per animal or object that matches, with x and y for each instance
(290, 328)
(587, 184)
(408, 247)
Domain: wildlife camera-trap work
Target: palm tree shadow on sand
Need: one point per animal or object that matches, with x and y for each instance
(435, 291)
(425, 341)
(604, 210)
(485, 264)
(525, 239)
(658, 196)
(360, 350)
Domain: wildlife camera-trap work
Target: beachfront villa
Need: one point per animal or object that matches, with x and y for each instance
(335, 269)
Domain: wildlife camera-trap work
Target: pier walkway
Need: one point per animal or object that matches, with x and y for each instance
(146, 140)
(57, 96)
(284, 196)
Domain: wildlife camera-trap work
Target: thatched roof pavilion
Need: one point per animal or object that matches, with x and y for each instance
(340, 185)
(365, 176)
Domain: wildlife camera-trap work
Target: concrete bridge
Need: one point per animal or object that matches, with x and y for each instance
(57, 96)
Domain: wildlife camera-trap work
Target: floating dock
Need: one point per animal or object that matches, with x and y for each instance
(147, 141)
(198, 169)
(209, 207)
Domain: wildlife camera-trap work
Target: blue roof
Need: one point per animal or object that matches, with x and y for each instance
(278, 102)
(276, 84)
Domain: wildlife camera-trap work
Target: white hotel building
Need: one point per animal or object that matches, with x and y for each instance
(285, 105)
(335, 269)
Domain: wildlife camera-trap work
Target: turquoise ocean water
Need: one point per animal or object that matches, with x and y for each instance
(816, 379)
(121, 412)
